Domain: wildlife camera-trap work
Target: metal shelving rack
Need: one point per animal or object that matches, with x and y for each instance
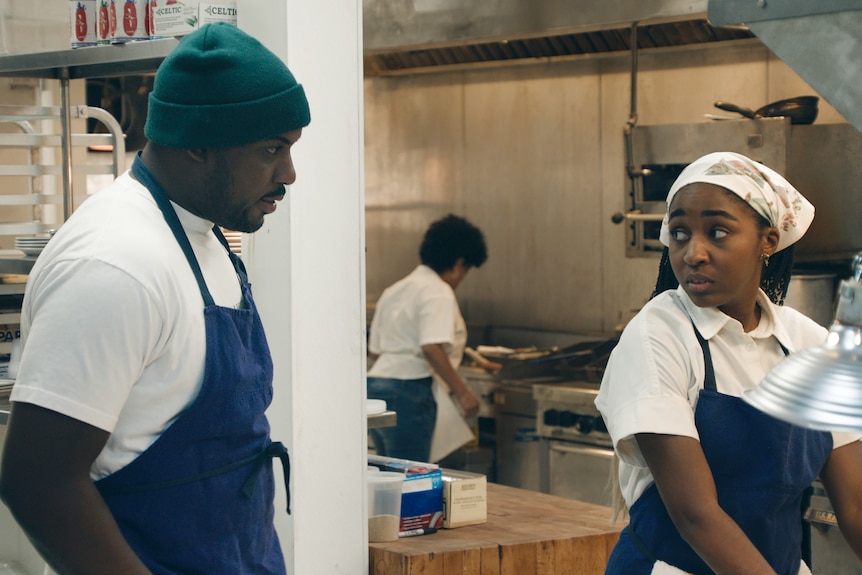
(65, 65)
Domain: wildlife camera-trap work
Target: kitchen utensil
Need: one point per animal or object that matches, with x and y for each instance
(717, 117)
(800, 110)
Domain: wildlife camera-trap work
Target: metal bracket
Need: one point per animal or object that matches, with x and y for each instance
(728, 12)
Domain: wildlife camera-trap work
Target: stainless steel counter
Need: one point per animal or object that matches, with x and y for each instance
(385, 419)
(16, 264)
(90, 62)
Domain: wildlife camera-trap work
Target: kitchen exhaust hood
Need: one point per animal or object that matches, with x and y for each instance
(821, 41)
(410, 36)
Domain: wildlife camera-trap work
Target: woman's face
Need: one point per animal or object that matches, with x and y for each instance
(716, 249)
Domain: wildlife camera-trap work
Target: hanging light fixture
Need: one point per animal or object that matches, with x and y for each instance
(821, 387)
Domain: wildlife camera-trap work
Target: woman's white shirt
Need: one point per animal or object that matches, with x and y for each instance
(655, 373)
(417, 310)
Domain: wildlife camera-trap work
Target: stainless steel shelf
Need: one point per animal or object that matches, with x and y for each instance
(90, 62)
(12, 265)
(385, 419)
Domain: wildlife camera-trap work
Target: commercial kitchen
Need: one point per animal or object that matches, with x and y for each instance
(541, 124)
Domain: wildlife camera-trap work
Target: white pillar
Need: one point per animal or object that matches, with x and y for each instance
(307, 267)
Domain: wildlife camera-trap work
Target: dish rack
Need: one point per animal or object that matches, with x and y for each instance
(34, 151)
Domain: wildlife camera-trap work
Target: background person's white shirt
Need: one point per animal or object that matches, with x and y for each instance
(417, 310)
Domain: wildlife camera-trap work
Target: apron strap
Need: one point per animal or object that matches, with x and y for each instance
(143, 175)
(238, 265)
(273, 450)
(709, 371)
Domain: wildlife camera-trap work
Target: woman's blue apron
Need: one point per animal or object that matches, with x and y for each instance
(199, 500)
(760, 465)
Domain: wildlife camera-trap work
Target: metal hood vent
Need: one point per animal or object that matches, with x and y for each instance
(821, 41)
(548, 47)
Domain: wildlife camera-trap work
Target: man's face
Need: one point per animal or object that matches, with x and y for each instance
(244, 183)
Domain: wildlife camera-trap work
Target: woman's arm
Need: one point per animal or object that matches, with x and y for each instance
(686, 486)
(436, 356)
(842, 478)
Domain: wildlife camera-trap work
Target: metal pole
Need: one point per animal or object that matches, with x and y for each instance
(66, 127)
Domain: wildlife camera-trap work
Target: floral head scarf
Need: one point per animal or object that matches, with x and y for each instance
(762, 188)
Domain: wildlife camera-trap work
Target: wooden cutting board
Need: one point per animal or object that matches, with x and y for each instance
(527, 533)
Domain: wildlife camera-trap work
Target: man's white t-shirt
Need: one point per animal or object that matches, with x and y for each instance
(655, 373)
(112, 321)
(417, 310)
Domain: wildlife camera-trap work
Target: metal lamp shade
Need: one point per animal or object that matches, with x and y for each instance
(817, 388)
(821, 387)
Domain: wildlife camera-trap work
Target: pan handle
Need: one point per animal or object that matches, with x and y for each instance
(728, 107)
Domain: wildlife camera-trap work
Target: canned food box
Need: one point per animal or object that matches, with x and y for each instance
(134, 21)
(178, 18)
(82, 23)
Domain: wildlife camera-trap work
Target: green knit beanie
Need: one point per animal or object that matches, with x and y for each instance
(221, 88)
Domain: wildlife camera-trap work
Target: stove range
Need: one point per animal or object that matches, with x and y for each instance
(566, 411)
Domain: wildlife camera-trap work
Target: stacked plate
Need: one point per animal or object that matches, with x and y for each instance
(234, 240)
(375, 406)
(31, 245)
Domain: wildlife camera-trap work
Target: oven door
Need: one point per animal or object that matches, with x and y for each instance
(581, 472)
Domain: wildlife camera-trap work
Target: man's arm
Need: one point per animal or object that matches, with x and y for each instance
(45, 482)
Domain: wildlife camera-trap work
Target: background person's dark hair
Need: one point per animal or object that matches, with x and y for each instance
(450, 238)
(774, 279)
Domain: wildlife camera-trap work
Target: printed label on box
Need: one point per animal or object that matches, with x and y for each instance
(421, 494)
(175, 18)
(221, 12)
(82, 23)
(106, 21)
(134, 22)
(465, 499)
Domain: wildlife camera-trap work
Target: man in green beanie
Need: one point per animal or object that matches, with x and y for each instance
(137, 442)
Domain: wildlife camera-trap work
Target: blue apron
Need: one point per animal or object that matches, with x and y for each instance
(760, 465)
(199, 500)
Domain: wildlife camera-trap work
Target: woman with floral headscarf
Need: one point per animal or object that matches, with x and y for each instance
(713, 485)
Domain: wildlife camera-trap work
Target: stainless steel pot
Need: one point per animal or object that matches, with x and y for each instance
(813, 295)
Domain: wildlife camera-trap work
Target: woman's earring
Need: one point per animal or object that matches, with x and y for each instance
(765, 258)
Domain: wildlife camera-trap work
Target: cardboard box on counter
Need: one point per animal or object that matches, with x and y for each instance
(465, 498)
(422, 493)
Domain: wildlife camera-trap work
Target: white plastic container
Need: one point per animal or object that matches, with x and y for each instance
(384, 505)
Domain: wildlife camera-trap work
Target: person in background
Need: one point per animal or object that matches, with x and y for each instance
(137, 441)
(712, 484)
(417, 331)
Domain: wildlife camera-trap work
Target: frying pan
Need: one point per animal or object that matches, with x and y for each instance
(800, 110)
